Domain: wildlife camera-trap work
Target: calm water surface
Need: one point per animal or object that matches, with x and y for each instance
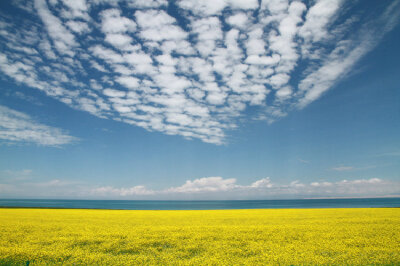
(202, 205)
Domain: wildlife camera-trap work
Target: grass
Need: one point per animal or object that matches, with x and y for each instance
(219, 237)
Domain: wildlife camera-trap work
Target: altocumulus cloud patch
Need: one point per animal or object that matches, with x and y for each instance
(187, 67)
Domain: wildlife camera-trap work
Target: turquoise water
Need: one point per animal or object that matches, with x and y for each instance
(202, 205)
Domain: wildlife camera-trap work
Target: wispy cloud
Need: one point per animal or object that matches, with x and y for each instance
(389, 154)
(23, 172)
(352, 168)
(17, 127)
(343, 168)
(16, 175)
(194, 74)
(52, 188)
(303, 161)
(132, 191)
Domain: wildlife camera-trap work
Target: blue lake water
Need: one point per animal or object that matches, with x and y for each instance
(202, 205)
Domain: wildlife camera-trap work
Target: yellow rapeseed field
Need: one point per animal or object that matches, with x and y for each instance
(212, 237)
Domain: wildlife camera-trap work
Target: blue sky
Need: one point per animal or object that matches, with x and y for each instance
(199, 99)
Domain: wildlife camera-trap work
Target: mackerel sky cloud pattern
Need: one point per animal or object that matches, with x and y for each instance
(190, 68)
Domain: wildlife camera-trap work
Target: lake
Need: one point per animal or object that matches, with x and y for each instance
(203, 204)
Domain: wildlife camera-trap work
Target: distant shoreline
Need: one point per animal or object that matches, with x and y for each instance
(105, 209)
(201, 204)
(197, 200)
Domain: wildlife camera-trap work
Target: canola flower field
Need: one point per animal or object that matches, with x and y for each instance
(212, 237)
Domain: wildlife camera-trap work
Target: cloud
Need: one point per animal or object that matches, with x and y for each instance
(38, 188)
(239, 20)
(205, 184)
(195, 72)
(17, 127)
(219, 187)
(318, 19)
(262, 183)
(136, 190)
(76, 9)
(22, 184)
(303, 161)
(54, 183)
(343, 168)
(147, 3)
(113, 22)
(351, 168)
(389, 154)
(158, 26)
(78, 27)
(63, 39)
(210, 7)
(360, 181)
(16, 175)
(321, 184)
(23, 172)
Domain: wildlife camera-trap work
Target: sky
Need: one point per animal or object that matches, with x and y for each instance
(188, 99)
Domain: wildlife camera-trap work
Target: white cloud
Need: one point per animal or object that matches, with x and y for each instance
(205, 7)
(138, 59)
(113, 22)
(17, 127)
(360, 181)
(118, 40)
(246, 5)
(64, 41)
(284, 92)
(153, 18)
(255, 44)
(21, 183)
(239, 20)
(54, 183)
(147, 3)
(319, 81)
(263, 60)
(111, 191)
(107, 55)
(216, 97)
(318, 19)
(321, 184)
(78, 27)
(262, 183)
(205, 184)
(128, 82)
(210, 7)
(199, 74)
(77, 8)
(171, 84)
(36, 188)
(16, 175)
(221, 188)
(279, 79)
(114, 93)
(274, 6)
(76, 4)
(158, 26)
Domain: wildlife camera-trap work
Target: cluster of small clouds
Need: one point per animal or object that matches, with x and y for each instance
(18, 127)
(22, 183)
(263, 188)
(191, 72)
